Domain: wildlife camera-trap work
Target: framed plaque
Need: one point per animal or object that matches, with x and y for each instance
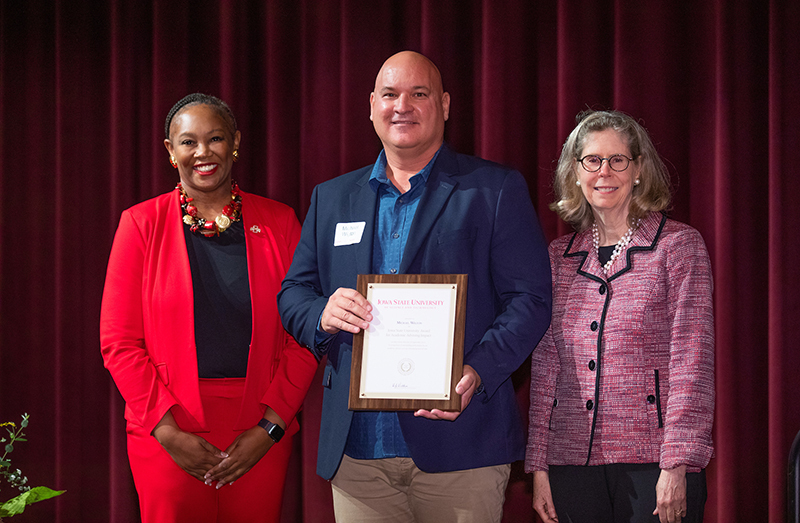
(411, 356)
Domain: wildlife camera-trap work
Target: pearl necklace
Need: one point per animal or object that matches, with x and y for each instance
(230, 213)
(619, 248)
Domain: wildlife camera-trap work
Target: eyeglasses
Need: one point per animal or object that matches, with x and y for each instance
(593, 163)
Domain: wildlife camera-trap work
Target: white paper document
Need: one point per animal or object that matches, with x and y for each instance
(408, 348)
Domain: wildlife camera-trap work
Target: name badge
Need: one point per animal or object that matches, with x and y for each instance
(348, 233)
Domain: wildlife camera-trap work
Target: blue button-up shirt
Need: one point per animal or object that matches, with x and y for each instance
(376, 435)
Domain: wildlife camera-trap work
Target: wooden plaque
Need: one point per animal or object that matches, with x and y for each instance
(411, 357)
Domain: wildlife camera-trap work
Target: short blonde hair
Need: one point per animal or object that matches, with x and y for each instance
(653, 191)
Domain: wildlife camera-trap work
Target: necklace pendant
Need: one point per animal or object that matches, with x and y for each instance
(230, 213)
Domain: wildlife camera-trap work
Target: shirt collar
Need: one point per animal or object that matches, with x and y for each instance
(378, 175)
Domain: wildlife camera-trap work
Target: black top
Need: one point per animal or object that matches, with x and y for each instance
(223, 324)
(604, 253)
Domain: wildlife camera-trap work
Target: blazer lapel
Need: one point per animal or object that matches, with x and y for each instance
(580, 246)
(644, 240)
(363, 202)
(437, 191)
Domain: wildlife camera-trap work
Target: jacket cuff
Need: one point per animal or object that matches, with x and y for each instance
(694, 456)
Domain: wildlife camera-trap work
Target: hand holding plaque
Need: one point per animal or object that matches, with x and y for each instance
(466, 388)
(346, 310)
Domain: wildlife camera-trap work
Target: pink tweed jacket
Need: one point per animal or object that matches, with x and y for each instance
(625, 373)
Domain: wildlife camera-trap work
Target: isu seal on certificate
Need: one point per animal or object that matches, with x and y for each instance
(406, 366)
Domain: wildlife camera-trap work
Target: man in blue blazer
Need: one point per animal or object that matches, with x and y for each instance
(421, 209)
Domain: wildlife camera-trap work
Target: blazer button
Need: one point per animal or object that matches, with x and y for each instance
(555, 402)
(651, 399)
(589, 405)
(593, 326)
(592, 364)
(603, 288)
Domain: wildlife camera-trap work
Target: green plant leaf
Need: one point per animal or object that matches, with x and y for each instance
(17, 505)
(9, 448)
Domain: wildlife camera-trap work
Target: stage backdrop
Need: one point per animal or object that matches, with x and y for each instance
(85, 87)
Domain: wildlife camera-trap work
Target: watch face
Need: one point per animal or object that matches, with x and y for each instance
(274, 431)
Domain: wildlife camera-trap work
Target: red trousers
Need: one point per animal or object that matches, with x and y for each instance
(167, 494)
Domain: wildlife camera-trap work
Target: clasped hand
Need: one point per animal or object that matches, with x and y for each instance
(190, 452)
(245, 451)
(205, 462)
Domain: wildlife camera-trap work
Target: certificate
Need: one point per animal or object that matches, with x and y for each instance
(411, 356)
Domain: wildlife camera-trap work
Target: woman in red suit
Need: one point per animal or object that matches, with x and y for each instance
(622, 384)
(191, 335)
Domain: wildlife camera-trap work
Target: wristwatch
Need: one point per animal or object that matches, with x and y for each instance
(274, 431)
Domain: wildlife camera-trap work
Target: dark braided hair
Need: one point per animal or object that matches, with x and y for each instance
(200, 99)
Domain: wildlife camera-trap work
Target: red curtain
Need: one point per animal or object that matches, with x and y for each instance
(85, 86)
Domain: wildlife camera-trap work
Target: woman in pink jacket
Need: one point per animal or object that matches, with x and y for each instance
(191, 335)
(622, 384)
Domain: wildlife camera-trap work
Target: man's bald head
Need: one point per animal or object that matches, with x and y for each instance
(409, 106)
(405, 59)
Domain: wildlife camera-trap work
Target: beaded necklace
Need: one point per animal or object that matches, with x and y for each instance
(619, 248)
(230, 213)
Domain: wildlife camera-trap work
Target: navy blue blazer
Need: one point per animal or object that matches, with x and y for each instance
(475, 218)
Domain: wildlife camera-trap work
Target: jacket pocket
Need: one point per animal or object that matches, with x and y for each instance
(658, 401)
(163, 373)
(552, 411)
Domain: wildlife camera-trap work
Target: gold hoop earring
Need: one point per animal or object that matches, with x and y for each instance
(236, 155)
(173, 161)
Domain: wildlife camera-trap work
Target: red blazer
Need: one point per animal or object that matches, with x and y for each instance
(147, 317)
(625, 374)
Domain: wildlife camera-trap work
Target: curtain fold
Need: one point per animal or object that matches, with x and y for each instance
(85, 87)
(783, 302)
